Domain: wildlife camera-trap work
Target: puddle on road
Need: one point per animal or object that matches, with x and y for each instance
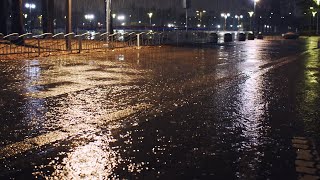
(161, 112)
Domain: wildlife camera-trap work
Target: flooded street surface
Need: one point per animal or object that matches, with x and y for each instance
(245, 110)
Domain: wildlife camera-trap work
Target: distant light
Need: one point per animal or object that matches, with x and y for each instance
(123, 24)
(89, 16)
(170, 25)
(121, 17)
(30, 5)
(218, 26)
(139, 22)
(199, 25)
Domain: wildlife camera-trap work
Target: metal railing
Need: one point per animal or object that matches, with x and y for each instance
(47, 43)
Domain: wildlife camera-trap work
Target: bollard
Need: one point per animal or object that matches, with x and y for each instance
(250, 36)
(260, 36)
(213, 38)
(227, 37)
(242, 37)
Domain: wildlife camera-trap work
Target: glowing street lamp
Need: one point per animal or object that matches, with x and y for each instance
(255, 4)
(225, 16)
(89, 17)
(121, 17)
(251, 14)
(254, 11)
(200, 14)
(30, 6)
(314, 15)
(238, 19)
(150, 17)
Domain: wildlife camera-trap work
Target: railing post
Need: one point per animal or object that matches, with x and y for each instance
(80, 44)
(39, 46)
(138, 41)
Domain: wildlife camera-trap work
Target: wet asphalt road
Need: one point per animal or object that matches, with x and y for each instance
(233, 111)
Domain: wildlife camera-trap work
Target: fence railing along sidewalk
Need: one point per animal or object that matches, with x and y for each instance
(47, 42)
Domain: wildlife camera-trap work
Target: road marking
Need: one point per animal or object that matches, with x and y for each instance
(58, 135)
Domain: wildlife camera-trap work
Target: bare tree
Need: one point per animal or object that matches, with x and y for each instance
(3, 16)
(17, 17)
(48, 16)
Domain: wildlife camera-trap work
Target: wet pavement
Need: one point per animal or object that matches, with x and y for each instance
(244, 110)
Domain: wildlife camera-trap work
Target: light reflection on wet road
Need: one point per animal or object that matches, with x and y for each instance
(222, 112)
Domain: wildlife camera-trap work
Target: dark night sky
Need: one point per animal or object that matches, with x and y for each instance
(217, 5)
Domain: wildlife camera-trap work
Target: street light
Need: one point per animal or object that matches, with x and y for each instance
(255, 4)
(254, 11)
(314, 15)
(30, 6)
(200, 14)
(150, 17)
(89, 17)
(251, 14)
(121, 17)
(225, 16)
(318, 3)
(238, 19)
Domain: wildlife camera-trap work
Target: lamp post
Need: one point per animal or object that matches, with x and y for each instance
(108, 21)
(254, 13)
(251, 14)
(69, 23)
(200, 14)
(314, 15)
(30, 6)
(150, 18)
(225, 16)
(121, 19)
(89, 17)
(318, 3)
(238, 20)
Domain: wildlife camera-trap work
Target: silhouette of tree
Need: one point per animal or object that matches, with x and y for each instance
(48, 16)
(17, 17)
(3, 16)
